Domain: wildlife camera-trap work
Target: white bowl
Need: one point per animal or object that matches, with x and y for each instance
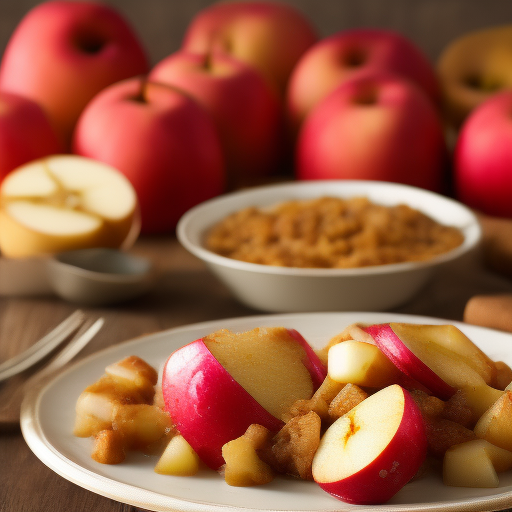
(285, 289)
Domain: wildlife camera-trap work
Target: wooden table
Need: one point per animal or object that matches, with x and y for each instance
(186, 293)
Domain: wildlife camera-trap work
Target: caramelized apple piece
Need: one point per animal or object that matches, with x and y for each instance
(295, 445)
(178, 459)
(442, 433)
(109, 447)
(141, 425)
(350, 396)
(503, 375)
(494, 424)
(243, 466)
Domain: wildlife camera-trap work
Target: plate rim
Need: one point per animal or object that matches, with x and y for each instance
(39, 444)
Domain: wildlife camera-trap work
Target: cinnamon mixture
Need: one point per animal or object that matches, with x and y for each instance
(331, 232)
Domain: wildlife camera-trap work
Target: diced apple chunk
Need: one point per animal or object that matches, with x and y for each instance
(503, 375)
(243, 465)
(178, 459)
(495, 424)
(469, 465)
(362, 364)
(475, 464)
(108, 447)
(93, 414)
(141, 425)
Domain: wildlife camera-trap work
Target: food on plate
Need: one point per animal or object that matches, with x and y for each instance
(65, 202)
(259, 374)
(331, 232)
(262, 403)
(121, 411)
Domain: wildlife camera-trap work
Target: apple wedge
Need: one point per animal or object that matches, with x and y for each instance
(178, 459)
(217, 386)
(475, 464)
(62, 203)
(370, 453)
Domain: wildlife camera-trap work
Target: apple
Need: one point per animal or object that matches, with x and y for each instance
(216, 386)
(63, 53)
(373, 127)
(440, 358)
(370, 453)
(346, 54)
(65, 202)
(161, 140)
(178, 459)
(482, 159)
(246, 110)
(472, 68)
(25, 133)
(494, 424)
(475, 464)
(270, 36)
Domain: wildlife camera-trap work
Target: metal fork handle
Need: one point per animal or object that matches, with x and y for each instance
(43, 347)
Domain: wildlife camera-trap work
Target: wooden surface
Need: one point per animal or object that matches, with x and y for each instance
(186, 293)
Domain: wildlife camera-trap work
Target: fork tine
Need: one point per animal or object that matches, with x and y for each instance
(86, 333)
(43, 347)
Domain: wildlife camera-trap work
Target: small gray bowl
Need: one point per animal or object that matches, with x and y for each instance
(99, 276)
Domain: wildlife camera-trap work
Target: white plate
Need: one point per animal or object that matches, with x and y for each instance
(48, 413)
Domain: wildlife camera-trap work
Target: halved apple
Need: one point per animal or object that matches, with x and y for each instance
(370, 453)
(65, 202)
(217, 386)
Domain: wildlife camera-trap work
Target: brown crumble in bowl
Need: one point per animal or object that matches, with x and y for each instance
(331, 232)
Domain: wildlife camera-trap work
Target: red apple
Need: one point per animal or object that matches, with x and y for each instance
(161, 140)
(370, 453)
(246, 110)
(25, 133)
(483, 160)
(63, 52)
(373, 127)
(217, 386)
(344, 55)
(404, 358)
(269, 36)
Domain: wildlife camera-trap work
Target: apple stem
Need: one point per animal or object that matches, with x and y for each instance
(141, 95)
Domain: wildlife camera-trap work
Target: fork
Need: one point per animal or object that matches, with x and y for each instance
(10, 410)
(42, 348)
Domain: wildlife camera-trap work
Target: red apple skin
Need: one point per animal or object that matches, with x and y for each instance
(400, 460)
(62, 53)
(400, 355)
(247, 112)
(25, 133)
(207, 405)
(373, 127)
(161, 140)
(344, 55)
(268, 36)
(312, 362)
(482, 157)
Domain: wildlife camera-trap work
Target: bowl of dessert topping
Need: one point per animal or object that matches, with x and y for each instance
(328, 245)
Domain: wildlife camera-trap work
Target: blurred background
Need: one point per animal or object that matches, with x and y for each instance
(430, 23)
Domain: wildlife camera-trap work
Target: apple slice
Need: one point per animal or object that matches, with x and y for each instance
(370, 453)
(215, 387)
(62, 203)
(494, 424)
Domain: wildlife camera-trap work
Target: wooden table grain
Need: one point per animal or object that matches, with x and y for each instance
(185, 293)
